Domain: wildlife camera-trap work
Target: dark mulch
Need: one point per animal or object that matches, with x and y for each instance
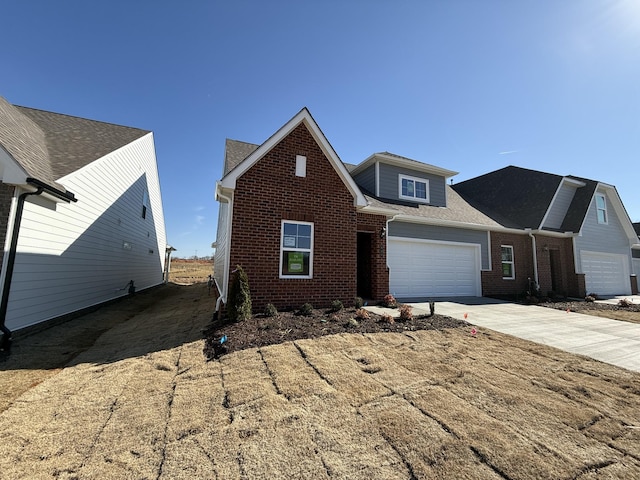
(261, 331)
(581, 306)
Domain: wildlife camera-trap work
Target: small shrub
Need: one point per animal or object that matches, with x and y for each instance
(358, 302)
(390, 301)
(270, 310)
(239, 301)
(388, 318)
(336, 306)
(306, 309)
(590, 299)
(406, 313)
(594, 295)
(352, 322)
(362, 314)
(625, 302)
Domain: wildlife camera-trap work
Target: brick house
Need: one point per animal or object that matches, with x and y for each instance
(307, 227)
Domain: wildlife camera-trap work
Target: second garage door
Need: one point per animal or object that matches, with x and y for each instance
(606, 273)
(422, 269)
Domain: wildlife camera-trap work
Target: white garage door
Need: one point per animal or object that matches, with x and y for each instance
(419, 269)
(606, 273)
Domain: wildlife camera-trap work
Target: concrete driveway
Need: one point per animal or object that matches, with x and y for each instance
(610, 341)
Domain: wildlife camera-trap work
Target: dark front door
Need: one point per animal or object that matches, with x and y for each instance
(557, 285)
(364, 264)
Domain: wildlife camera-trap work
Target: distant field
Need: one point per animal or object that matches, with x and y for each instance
(187, 272)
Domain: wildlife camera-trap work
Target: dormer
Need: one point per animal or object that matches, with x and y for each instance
(392, 177)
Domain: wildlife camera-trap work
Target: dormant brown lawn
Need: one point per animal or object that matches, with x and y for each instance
(144, 403)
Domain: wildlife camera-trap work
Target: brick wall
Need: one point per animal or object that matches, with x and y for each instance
(270, 192)
(492, 281)
(6, 194)
(379, 270)
(567, 282)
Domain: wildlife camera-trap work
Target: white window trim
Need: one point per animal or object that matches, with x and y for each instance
(414, 179)
(606, 213)
(282, 249)
(512, 262)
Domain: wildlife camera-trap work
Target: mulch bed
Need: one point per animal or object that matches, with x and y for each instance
(581, 306)
(261, 331)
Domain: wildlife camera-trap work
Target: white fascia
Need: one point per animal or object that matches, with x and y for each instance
(229, 180)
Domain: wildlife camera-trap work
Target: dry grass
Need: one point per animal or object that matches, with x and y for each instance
(143, 403)
(624, 315)
(188, 272)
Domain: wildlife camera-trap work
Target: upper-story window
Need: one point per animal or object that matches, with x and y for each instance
(601, 208)
(145, 204)
(413, 188)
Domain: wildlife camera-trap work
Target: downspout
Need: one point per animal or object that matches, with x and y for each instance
(535, 257)
(11, 259)
(386, 238)
(225, 278)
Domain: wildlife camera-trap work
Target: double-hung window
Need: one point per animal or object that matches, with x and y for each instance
(413, 188)
(508, 272)
(296, 250)
(601, 208)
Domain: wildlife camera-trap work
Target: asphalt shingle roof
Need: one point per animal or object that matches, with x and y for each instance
(235, 152)
(513, 196)
(50, 145)
(457, 209)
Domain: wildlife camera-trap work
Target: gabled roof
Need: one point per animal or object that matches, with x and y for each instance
(235, 152)
(398, 160)
(457, 211)
(48, 146)
(303, 117)
(513, 196)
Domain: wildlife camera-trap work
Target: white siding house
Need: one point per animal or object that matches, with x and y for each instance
(95, 224)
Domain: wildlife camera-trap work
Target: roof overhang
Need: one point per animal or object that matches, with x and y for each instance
(402, 162)
(304, 117)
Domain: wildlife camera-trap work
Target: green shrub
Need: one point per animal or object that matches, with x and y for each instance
(270, 310)
(306, 309)
(336, 306)
(358, 302)
(239, 301)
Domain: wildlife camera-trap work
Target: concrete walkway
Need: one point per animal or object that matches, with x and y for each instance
(610, 341)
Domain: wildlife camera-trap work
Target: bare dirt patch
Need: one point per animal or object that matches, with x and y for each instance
(190, 271)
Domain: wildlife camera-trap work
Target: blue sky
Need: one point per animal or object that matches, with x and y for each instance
(471, 86)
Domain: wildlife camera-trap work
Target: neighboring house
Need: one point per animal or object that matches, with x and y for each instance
(308, 228)
(80, 214)
(635, 252)
(580, 233)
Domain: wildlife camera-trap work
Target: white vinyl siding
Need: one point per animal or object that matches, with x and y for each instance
(72, 256)
(222, 245)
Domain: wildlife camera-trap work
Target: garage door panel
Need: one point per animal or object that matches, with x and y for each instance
(431, 269)
(605, 273)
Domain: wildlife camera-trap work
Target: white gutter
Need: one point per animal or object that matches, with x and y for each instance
(535, 256)
(386, 238)
(225, 278)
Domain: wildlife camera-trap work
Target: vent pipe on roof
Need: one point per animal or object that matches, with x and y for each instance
(5, 344)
